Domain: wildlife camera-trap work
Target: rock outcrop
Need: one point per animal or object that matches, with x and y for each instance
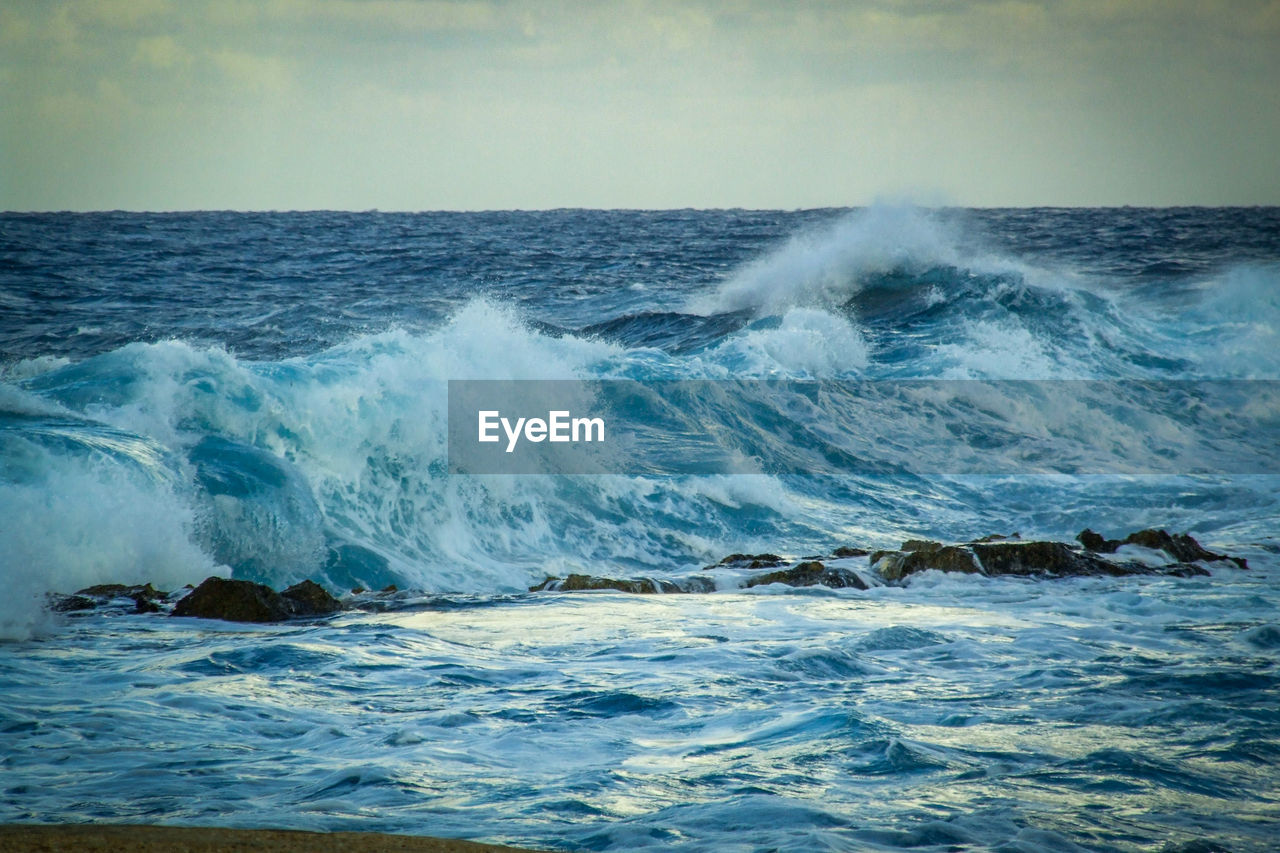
(245, 601)
(811, 573)
(803, 573)
(1180, 546)
(999, 555)
(639, 586)
(917, 556)
(145, 598)
(234, 601)
(308, 598)
(749, 561)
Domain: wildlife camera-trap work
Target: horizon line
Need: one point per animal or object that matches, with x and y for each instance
(585, 209)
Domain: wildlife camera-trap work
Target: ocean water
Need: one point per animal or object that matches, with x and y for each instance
(264, 396)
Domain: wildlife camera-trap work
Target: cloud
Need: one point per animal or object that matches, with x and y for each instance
(123, 14)
(160, 52)
(411, 15)
(14, 29)
(103, 105)
(617, 102)
(254, 72)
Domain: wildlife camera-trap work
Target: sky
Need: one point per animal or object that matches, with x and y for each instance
(503, 104)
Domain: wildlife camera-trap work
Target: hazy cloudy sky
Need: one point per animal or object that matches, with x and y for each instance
(445, 104)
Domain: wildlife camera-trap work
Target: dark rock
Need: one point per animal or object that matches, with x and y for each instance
(390, 588)
(308, 598)
(948, 558)
(234, 601)
(996, 537)
(106, 590)
(749, 561)
(1180, 570)
(810, 573)
(997, 556)
(119, 590)
(696, 584)
(142, 604)
(1042, 558)
(1182, 547)
(144, 597)
(845, 551)
(895, 565)
(71, 603)
(1096, 543)
(582, 583)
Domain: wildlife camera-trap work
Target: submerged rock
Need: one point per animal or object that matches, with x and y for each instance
(308, 598)
(143, 596)
(1096, 542)
(1000, 555)
(70, 603)
(1045, 558)
(918, 555)
(245, 601)
(583, 583)
(119, 590)
(142, 604)
(749, 561)
(805, 573)
(1180, 546)
(810, 573)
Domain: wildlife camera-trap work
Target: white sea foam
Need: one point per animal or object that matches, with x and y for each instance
(29, 367)
(823, 268)
(85, 521)
(1235, 329)
(1002, 349)
(809, 343)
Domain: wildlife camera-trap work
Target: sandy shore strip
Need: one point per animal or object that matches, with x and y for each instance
(116, 838)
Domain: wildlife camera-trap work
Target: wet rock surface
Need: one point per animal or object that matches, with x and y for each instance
(917, 556)
(1182, 547)
(995, 556)
(749, 561)
(308, 598)
(811, 573)
(70, 603)
(145, 598)
(639, 586)
(245, 601)
(234, 601)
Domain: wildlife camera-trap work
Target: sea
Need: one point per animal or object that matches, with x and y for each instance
(265, 396)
